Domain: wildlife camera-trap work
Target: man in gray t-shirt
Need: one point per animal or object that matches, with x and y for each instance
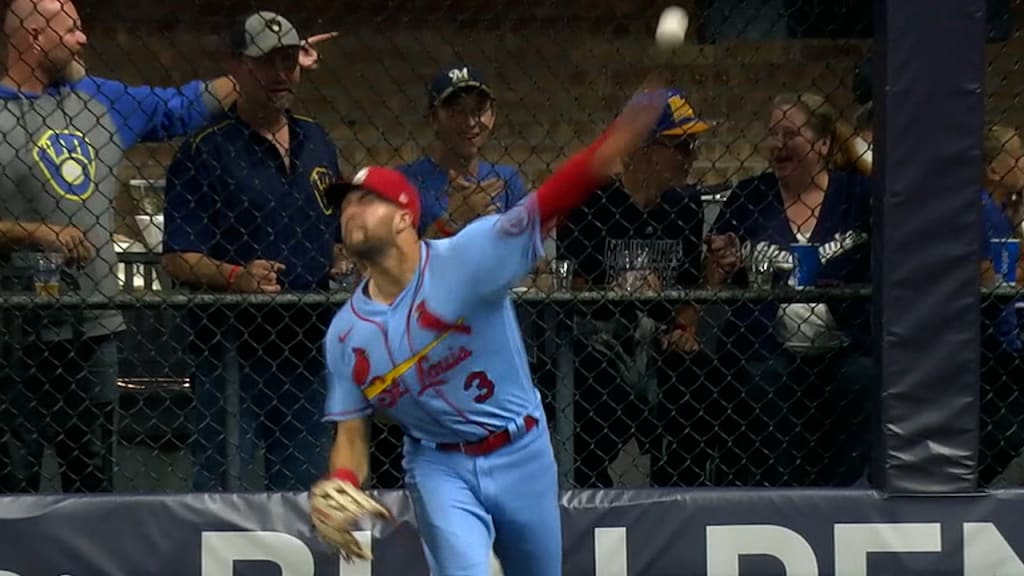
(63, 140)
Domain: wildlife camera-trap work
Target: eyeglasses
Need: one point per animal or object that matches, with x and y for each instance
(682, 145)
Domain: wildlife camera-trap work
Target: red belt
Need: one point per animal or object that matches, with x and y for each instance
(488, 445)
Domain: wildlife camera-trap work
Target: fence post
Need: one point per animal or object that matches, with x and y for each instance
(232, 405)
(930, 110)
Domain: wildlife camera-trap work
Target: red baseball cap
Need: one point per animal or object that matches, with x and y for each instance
(388, 183)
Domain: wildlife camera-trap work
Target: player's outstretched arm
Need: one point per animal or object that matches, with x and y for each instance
(500, 250)
(583, 173)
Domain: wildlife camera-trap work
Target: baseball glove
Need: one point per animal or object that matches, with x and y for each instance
(335, 506)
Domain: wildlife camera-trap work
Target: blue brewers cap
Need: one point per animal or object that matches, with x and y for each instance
(453, 79)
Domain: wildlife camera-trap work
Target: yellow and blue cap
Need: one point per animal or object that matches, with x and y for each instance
(679, 117)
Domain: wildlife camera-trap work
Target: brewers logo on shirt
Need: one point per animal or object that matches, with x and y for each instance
(320, 178)
(68, 162)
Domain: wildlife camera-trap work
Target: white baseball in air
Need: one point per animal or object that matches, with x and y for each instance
(672, 25)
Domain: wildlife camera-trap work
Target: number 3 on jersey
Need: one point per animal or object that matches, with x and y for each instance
(480, 382)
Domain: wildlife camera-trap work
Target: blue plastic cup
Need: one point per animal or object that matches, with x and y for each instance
(806, 264)
(1005, 253)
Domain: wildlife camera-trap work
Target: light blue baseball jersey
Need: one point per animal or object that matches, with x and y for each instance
(476, 380)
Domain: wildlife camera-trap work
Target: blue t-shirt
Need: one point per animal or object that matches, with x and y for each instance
(599, 235)
(432, 182)
(754, 212)
(999, 321)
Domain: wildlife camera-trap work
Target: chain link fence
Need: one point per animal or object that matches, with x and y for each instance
(704, 320)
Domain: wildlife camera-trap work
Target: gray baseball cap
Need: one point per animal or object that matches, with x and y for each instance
(262, 32)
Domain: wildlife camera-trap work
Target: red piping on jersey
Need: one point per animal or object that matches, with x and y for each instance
(416, 291)
(412, 349)
(412, 307)
(408, 321)
(381, 327)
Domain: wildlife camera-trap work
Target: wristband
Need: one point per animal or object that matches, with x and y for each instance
(232, 274)
(346, 475)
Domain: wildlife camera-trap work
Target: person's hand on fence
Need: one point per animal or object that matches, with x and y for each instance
(309, 56)
(67, 240)
(258, 276)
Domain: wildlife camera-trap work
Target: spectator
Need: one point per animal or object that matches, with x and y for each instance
(1001, 403)
(68, 132)
(806, 367)
(643, 231)
(456, 186)
(246, 213)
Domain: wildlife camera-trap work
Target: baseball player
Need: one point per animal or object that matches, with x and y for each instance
(431, 337)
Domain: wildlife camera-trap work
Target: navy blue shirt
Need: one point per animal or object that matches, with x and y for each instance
(999, 329)
(230, 196)
(609, 224)
(755, 213)
(600, 236)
